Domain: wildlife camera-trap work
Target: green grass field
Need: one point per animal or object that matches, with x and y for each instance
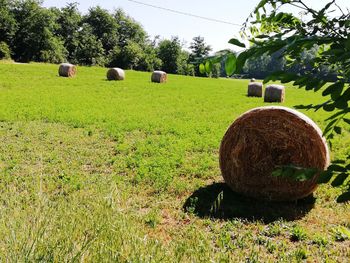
(99, 171)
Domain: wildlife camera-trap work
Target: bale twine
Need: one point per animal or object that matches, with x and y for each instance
(274, 93)
(159, 76)
(255, 89)
(115, 74)
(67, 70)
(267, 137)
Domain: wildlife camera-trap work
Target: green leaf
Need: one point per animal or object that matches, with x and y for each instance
(301, 81)
(277, 172)
(288, 172)
(329, 107)
(202, 68)
(339, 180)
(300, 175)
(230, 64)
(273, 76)
(297, 173)
(347, 43)
(335, 90)
(320, 85)
(287, 77)
(329, 126)
(208, 66)
(338, 114)
(341, 103)
(337, 168)
(262, 36)
(337, 129)
(346, 121)
(338, 162)
(325, 177)
(345, 197)
(236, 42)
(240, 61)
(261, 4)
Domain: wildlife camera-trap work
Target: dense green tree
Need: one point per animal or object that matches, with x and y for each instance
(133, 49)
(184, 68)
(90, 49)
(169, 51)
(35, 33)
(128, 29)
(35, 40)
(149, 61)
(104, 27)
(199, 50)
(132, 54)
(8, 23)
(5, 52)
(69, 20)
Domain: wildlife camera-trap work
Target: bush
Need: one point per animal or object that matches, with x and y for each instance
(5, 52)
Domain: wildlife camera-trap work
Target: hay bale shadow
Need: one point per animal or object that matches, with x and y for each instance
(218, 201)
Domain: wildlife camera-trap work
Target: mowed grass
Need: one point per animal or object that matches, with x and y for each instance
(92, 170)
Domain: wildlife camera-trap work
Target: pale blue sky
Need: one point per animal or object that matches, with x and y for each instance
(167, 24)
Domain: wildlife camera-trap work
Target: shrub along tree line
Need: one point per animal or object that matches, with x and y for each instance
(31, 32)
(317, 47)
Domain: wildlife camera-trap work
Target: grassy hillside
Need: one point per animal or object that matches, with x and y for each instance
(94, 170)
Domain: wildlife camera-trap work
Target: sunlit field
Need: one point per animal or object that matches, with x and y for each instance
(100, 171)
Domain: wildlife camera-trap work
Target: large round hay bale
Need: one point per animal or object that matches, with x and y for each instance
(265, 138)
(115, 74)
(67, 70)
(274, 93)
(255, 89)
(159, 76)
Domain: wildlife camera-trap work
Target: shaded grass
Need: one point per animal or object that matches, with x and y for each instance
(99, 171)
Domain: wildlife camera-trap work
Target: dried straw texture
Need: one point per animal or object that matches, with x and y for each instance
(264, 138)
(67, 70)
(274, 93)
(159, 76)
(255, 89)
(115, 74)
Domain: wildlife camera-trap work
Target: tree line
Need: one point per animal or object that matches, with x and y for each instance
(266, 64)
(31, 32)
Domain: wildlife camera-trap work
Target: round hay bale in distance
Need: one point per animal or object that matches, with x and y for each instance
(253, 80)
(255, 89)
(274, 93)
(159, 76)
(267, 137)
(115, 74)
(67, 70)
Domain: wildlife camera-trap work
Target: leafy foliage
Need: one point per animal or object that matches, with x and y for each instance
(270, 30)
(69, 20)
(5, 52)
(35, 33)
(169, 52)
(99, 37)
(8, 23)
(90, 49)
